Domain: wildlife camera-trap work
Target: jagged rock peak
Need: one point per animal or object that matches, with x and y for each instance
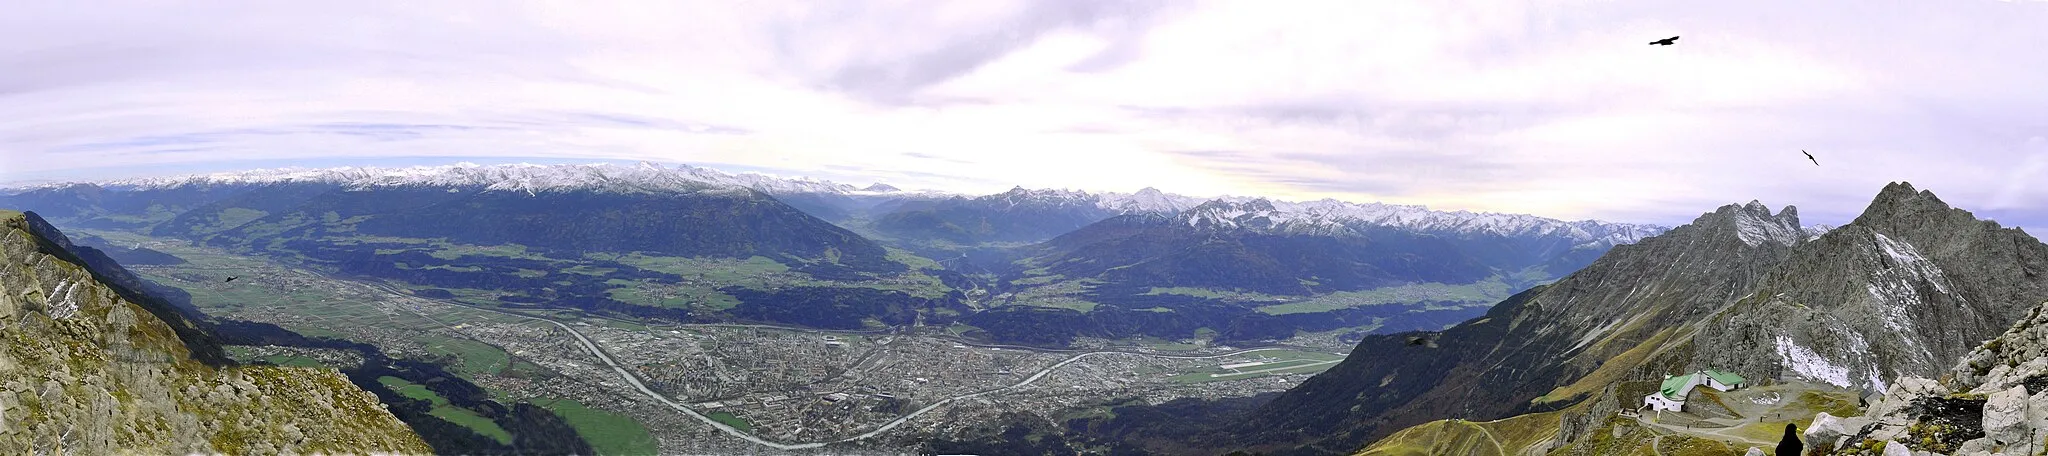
(1899, 203)
(882, 188)
(1754, 223)
(1254, 205)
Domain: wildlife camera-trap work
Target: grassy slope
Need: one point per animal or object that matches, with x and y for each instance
(608, 433)
(1504, 437)
(448, 412)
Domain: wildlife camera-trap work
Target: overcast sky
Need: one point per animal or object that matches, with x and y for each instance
(1559, 109)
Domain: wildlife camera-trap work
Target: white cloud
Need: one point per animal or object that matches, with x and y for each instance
(1558, 108)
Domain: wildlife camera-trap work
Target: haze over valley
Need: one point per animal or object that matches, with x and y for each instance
(1024, 228)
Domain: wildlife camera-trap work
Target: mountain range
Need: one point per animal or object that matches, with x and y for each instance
(1007, 263)
(1907, 288)
(1588, 313)
(655, 178)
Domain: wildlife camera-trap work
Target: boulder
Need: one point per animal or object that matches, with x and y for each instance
(1826, 432)
(1903, 393)
(2002, 378)
(1754, 451)
(2005, 417)
(1897, 449)
(1975, 447)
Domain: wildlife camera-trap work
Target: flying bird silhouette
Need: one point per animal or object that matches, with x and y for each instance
(1665, 42)
(230, 279)
(1809, 156)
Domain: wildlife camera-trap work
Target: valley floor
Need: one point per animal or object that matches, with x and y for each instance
(637, 386)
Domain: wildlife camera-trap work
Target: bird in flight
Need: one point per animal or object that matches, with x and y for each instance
(230, 279)
(1665, 42)
(1809, 156)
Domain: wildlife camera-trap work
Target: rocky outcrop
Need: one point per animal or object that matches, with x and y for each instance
(1994, 402)
(1539, 347)
(1905, 290)
(85, 370)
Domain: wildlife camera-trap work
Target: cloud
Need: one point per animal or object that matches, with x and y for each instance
(1557, 108)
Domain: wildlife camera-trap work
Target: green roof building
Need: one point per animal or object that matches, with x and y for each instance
(1671, 394)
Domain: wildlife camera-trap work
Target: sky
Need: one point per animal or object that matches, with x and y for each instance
(1554, 108)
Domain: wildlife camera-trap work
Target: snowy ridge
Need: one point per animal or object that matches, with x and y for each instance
(1261, 216)
(1147, 200)
(650, 177)
(1817, 230)
(1327, 213)
(645, 177)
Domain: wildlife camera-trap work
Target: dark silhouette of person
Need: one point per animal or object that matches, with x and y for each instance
(1665, 42)
(1789, 446)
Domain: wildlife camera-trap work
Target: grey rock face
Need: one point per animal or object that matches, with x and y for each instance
(1906, 289)
(1622, 300)
(2009, 373)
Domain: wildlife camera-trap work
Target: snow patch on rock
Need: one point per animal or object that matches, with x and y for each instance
(1810, 364)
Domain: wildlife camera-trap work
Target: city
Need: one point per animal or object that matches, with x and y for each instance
(731, 387)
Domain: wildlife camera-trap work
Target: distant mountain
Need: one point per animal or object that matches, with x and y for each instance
(1907, 287)
(1323, 246)
(682, 211)
(390, 222)
(1251, 246)
(1018, 215)
(398, 224)
(824, 199)
(642, 178)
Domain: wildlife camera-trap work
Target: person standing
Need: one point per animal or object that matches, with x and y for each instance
(1789, 446)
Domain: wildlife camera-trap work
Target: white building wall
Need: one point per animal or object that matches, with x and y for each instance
(1658, 402)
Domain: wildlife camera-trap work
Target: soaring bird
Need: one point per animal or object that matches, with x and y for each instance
(230, 279)
(1809, 156)
(1665, 42)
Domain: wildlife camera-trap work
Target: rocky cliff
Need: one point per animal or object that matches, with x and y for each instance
(1994, 401)
(1906, 289)
(85, 369)
(1541, 349)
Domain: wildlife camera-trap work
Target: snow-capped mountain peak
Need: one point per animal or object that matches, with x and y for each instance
(1260, 216)
(1310, 216)
(642, 177)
